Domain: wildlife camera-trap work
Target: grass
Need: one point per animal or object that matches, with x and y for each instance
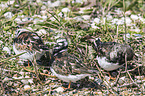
(73, 23)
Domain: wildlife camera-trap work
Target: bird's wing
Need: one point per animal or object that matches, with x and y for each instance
(69, 64)
(29, 41)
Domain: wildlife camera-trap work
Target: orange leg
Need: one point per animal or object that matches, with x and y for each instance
(69, 85)
(28, 63)
(111, 77)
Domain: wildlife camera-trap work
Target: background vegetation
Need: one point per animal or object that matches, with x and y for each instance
(110, 20)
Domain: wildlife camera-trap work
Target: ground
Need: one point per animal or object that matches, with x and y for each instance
(110, 20)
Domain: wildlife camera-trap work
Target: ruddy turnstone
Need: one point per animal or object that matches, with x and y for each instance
(68, 67)
(32, 44)
(111, 55)
(60, 47)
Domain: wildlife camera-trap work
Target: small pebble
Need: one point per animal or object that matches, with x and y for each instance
(144, 84)
(41, 32)
(139, 81)
(99, 81)
(10, 83)
(121, 80)
(59, 89)
(16, 84)
(5, 79)
(98, 93)
(8, 15)
(45, 71)
(1, 42)
(27, 87)
(22, 73)
(20, 62)
(86, 17)
(15, 77)
(107, 78)
(78, 18)
(24, 81)
(7, 50)
(27, 77)
(139, 77)
(65, 10)
(134, 17)
(91, 78)
(112, 83)
(30, 81)
(97, 20)
(125, 93)
(86, 92)
(21, 77)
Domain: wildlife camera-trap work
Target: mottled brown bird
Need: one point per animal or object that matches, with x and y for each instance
(32, 44)
(111, 55)
(68, 67)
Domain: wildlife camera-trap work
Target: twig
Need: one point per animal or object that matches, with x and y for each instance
(116, 34)
(132, 79)
(2, 87)
(125, 61)
(54, 17)
(128, 85)
(36, 70)
(11, 57)
(117, 77)
(100, 72)
(24, 23)
(130, 70)
(106, 81)
(124, 7)
(40, 73)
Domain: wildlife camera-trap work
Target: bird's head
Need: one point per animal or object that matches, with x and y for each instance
(60, 47)
(92, 40)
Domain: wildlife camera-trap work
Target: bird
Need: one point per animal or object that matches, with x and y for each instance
(32, 46)
(68, 67)
(111, 55)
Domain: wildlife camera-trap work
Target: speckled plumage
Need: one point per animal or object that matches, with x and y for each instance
(114, 52)
(69, 68)
(111, 55)
(32, 44)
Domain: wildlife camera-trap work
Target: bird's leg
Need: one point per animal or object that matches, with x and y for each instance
(113, 78)
(69, 85)
(28, 63)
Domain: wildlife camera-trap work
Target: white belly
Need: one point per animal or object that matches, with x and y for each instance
(25, 56)
(69, 78)
(106, 65)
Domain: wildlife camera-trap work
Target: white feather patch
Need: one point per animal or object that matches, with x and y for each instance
(107, 65)
(69, 78)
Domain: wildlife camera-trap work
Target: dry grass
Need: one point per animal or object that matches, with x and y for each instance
(74, 24)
